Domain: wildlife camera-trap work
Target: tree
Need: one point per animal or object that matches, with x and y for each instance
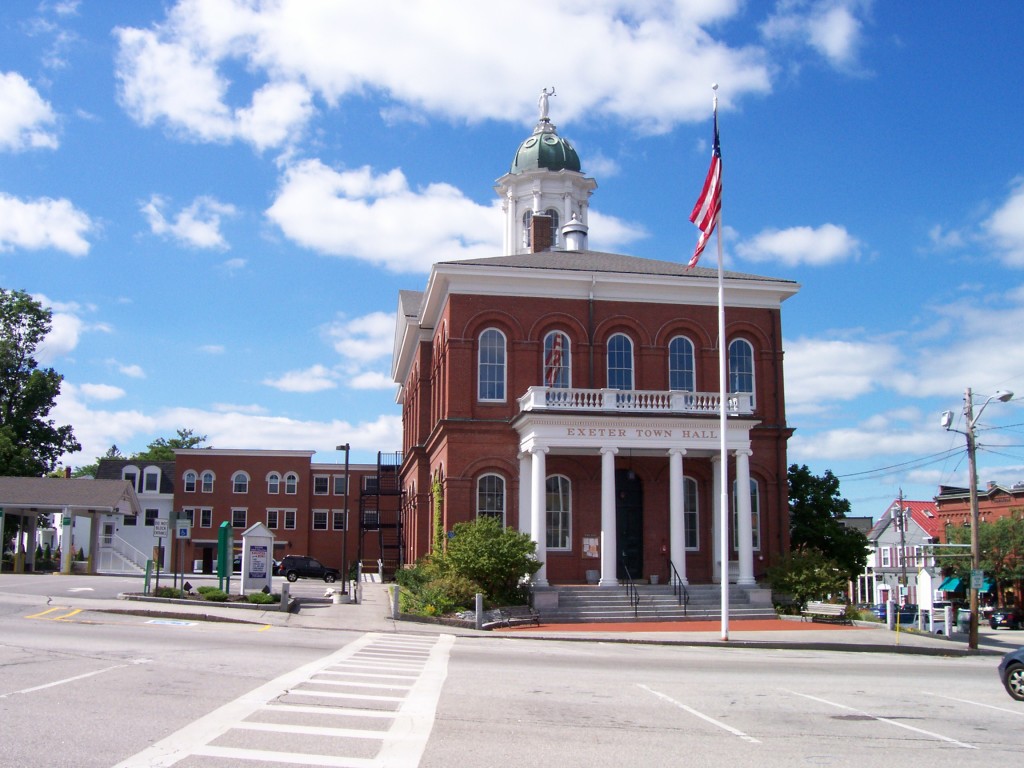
(1001, 545)
(30, 443)
(90, 470)
(805, 575)
(162, 449)
(493, 556)
(816, 511)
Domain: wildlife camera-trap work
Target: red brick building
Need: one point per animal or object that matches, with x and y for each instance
(574, 394)
(995, 501)
(306, 505)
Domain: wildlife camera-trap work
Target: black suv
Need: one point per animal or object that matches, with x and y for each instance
(295, 567)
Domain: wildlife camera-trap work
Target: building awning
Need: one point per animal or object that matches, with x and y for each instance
(987, 585)
(951, 584)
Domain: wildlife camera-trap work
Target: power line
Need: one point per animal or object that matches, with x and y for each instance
(923, 461)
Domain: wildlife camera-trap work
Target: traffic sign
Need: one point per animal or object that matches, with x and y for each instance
(160, 528)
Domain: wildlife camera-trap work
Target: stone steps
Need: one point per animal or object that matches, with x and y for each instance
(657, 603)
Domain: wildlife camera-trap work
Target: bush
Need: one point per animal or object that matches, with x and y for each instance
(168, 592)
(213, 594)
(806, 574)
(497, 558)
(262, 598)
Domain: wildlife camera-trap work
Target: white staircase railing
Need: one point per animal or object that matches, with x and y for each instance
(119, 556)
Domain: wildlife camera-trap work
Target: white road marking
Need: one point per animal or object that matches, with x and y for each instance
(702, 716)
(401, 745)
(1017, 712)
(66, 680)
(886, 720)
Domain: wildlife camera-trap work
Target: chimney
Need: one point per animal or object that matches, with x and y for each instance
(575, 235)
(540, 233)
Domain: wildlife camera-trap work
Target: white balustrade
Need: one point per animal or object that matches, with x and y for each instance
(633, 401)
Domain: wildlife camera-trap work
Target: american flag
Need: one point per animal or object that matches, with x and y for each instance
(709, 204)
(553, 363)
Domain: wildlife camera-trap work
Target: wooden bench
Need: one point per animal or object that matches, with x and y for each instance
(513, 616)
(833, 613)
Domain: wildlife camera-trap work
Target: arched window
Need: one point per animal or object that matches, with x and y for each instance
(620, 362)
(490, 497)
(190, 481)
(741, 367)
(680, 365)
(207, 480)
(557, 362)
(691, 531)
(273, 483)
(240, 482)
(559, 512)
(755, 516)
(131, 474)
(291, 483)
(491, 366)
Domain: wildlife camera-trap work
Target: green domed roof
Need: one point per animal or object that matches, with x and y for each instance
(545, 149)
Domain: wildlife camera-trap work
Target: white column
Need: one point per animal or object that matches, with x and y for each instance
(538, 529)
(677, 521)
(525, 492)
(744, 524)
(609, 538)
(718, 567)
(66, 555)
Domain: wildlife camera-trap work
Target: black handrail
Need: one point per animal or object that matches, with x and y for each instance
(631, 591)
(678, 588)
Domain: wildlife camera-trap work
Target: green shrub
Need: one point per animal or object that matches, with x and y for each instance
(262, 598)
(168, 592)
(498, 559)
(213, 594)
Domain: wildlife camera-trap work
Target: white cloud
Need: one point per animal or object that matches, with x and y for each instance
(372, 380)
(316, 378)
(1006, 226)
(130, 370)
(821, 372)
(197, 225)
(226, 426)
(65, 331)
(654, 71)
(43, 223)
(830, 27)
(25, 116)
(828, 244)
(212, 349)
(359, 213)
(363, 339)
(101, 392)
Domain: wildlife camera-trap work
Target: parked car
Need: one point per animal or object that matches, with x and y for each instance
(905, 614)
(1011, 672)
(236, 565)
(295, 567)
(1012, 616)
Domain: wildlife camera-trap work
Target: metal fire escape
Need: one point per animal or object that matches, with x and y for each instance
(380, 518)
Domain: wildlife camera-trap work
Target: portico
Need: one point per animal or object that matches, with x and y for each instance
(675, 426)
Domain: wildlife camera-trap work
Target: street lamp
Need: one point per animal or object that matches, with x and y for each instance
(972, 446)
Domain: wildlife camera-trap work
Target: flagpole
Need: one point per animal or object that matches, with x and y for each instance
(723, 502)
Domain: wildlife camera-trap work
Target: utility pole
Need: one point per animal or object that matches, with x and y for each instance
(901, 525)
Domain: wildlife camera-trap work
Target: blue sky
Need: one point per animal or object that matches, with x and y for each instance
(220, 200)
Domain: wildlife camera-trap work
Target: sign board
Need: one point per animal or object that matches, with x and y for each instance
(182, 528)
(258, 561)
(977, 579)
(160, 528)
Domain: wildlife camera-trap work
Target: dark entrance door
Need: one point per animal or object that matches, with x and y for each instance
(208, 559)
(629, 523)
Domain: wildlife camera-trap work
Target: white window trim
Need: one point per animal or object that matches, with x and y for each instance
(567, 512)
(504, 494)
(504, 367)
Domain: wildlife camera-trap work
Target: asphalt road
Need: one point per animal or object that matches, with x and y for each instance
(84, 688)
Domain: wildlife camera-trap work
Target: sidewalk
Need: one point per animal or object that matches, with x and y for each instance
(373, 615)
